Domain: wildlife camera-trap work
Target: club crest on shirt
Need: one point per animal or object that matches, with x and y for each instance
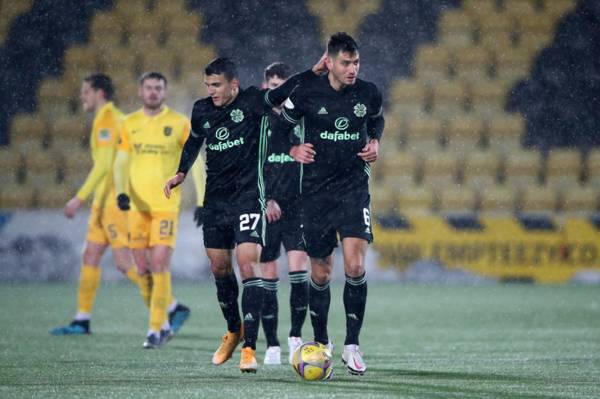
(104, 135)
(167, 131)
(360, 110)
(237, 115)
(137, 147)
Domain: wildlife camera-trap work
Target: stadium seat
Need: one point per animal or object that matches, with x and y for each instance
(580, 200)
(70, 127)
(159, 59)
(439, 169)
(497, 200)
(456, 199)
(513, 64)
(472, 64)
(402, 169)
(107, 27)
(500, 26)
(76, 165)
(448, 98)
(42, 167)
(456, 29)
(522, 168)
(563, 167)
(464, 133)
(383, 200)
(488, 97)
(592, 168)
(178, 26)
(53, 195)
(521, 8)
(556, 9)
(423, 133)
(481, 169)
(128, 9)
(477, 9)
(9, 10)
(27, 128)
(408, 97)
(17, 196)
(415, 200)
(506, 131)
(539, 199)
(81, 57)
(11, 164)
(341, 15)
(432, 63)
(56, 91)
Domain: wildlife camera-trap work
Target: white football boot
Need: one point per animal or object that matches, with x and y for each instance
(273, 355)
(353, 360)
(293, 344)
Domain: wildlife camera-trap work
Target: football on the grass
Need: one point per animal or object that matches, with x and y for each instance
(312, 361)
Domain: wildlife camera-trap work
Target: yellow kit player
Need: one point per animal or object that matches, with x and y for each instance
(107, 224)
(150, 145)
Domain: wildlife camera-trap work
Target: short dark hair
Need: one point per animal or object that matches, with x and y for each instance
(341, 42)
(279, 69)
(152, 75)
(222, 65)
(100, 81)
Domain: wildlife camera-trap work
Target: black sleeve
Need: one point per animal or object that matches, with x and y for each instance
(376, 122)
(275, 97)
(193, 144)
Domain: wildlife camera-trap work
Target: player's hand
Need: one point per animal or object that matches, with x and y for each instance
(303, 153)
(370, 152)
(273, 211)
(123, 202)
(72, 206)
(320, 68)
(173, 182)
(199, 216)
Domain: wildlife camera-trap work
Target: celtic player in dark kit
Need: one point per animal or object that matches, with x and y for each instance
(229, 121)
(282, 193)
(343, 123)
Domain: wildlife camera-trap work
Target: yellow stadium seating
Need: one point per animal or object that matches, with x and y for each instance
(513, 64)
(26, 129)
(11, 163)
(17, 196)
(497, 200)
(432, 63)
(456, 29)
(423, 133)
(457, 199)
(106, 24)
(522, 168)
(563, 167)
(539, 199)
(464, 133)
(521, 8)
(481, 169)
(383, 200)
(577, 199)
(9, 10)
(477, 9)
(53, 196)
(472, 64)
(415, 200)
(555, 9)
(71, 127)
(408, 97)
(488, 97)
(401, 169)
(506, 131)
(128, 9)
(439, 169)
(159, 59)
(592, 168)
(448, 98)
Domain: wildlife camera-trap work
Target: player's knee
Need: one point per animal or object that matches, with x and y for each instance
(355, 269)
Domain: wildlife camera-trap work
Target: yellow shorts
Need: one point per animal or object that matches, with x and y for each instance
(147, 229)
(108, 225)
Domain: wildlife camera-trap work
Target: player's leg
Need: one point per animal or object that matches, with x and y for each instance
(89, 277)
(299, 291)
(270, 309)
(269, 312)
(160, 258)
(219, 241)
(247, 255)
(320, 296)
(355, 234)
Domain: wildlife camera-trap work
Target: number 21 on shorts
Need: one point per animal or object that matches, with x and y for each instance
(249, 221)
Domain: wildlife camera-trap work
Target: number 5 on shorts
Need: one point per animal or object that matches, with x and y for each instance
(245, 221)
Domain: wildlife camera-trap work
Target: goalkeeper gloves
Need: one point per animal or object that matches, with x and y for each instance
(199, 216)
(123, 202)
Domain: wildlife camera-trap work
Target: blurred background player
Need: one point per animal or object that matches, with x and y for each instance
(150, 142)
(282, 190)
(230, 120)
(107, 224)
(343, 123)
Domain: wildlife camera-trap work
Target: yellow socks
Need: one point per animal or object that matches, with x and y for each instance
(145, 284)
(161, 288)
(89, 280)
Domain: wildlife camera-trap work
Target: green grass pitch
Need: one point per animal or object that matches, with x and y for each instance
(420, 341)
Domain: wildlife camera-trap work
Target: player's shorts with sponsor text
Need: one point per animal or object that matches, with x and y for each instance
(226, 225)
(287, 231)
(108, 225)
(325, 216)
(147, 229)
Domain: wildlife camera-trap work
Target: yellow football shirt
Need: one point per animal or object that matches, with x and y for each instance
(154, 145)
(103, 142)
